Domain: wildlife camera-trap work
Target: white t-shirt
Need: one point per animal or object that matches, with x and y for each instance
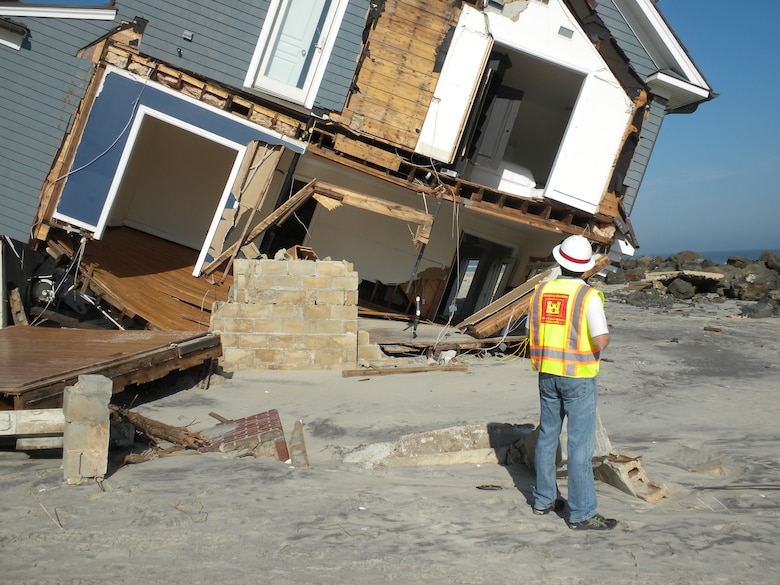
(594, 313)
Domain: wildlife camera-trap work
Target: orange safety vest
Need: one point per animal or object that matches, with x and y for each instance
(559, 340)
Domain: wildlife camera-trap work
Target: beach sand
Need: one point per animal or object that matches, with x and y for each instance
(699, 406)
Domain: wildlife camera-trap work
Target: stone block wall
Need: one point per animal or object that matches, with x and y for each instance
(289, 315)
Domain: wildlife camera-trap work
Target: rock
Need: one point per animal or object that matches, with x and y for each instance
(681, 289)
(753, 282)
(686, 257)
(764, 308)
(771, 260)
(616, 277)
(738, 261)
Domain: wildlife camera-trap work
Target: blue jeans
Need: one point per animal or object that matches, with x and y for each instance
(574, 398)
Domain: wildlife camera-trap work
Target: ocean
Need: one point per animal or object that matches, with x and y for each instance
(717, 256)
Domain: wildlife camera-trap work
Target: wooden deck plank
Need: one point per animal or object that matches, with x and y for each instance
(150, 277)
(37, 362)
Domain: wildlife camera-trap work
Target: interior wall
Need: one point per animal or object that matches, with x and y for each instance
(172, 184)
(381, 247)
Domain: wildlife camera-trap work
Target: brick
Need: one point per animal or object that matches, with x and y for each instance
(286, 311)
(344, 282)
(237, 357)
(260, 296)
(326, 297)
(330, 356)
(316, 342)
(301, 357)
(226, 310)
(329, 326)
(291, 297)
(267, 356)
(370, 353)
(343, 341)
(238, 325)
(351, 297)
(294, 326)
(317, 282)
(286, 282)
(344, 313)
(274, 267)
(302, 268)
(311, 312)
(230, 339)
(363, 338)
(241, 266)
(251, 341)
(259, 281)
(276, 341)
(332, 268)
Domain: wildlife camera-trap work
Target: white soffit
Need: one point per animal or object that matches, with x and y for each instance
(59, 12)
(659, 40)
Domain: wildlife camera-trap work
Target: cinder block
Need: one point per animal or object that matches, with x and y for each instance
(291, 297)
(255, 296)
(287, 282)
(247, 341)
(345, 341)
(239, 325)
(325, 268)
(298, 326)
(258, 281)
(262, 358)
(344, 312)
(273, 267)
(318, 282)
(312, 312)
(234, 357)
(344, 282)
(302, 268)
(626, 474)
(330, 326)
(286, 311)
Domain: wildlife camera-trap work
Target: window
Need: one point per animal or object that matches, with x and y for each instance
(293, 48)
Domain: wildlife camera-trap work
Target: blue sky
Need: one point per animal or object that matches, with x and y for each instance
(713, 182)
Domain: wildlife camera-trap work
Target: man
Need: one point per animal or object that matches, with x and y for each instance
(567, 332)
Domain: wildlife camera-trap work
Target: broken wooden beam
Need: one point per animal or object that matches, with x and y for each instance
(411, 370)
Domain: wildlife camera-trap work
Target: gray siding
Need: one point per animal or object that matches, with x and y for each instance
(343, 62)
(626, 39)
(41, 85)
(647, 139)
(224, 36)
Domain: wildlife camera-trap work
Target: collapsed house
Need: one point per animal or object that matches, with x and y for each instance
(440, 148)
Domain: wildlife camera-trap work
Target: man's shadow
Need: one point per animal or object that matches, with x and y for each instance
(514, 445)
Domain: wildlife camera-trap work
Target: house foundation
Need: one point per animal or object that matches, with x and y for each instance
(289, 315)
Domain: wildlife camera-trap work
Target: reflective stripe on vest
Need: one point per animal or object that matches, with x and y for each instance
(558, 337)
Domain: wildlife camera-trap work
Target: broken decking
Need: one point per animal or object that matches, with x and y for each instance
(143, 276)
(38, 362)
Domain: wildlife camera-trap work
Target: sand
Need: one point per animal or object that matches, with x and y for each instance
(699, 406)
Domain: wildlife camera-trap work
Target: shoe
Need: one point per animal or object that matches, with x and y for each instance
(556, 506)
(595, 522)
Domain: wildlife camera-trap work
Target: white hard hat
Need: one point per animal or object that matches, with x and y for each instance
(574, 254)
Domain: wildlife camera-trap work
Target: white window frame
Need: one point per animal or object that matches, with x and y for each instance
(304, 96)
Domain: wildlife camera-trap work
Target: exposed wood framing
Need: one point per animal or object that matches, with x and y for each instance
(545, 215)
(396, 81)
(340, 195)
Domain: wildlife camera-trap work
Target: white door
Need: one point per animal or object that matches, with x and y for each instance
(291, 53)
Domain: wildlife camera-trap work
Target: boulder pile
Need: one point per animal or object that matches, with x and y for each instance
(657, 281)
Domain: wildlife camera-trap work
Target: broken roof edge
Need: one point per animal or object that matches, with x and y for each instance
(649, 19)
